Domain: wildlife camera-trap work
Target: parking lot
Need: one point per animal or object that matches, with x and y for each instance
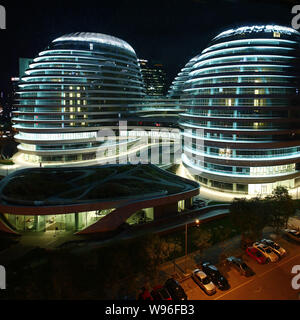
(271, 281)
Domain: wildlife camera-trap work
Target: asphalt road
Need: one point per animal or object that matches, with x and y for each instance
(271, 281)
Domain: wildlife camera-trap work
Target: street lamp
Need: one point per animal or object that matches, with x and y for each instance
(197, 221)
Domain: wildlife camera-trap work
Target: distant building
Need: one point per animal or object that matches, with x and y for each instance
(154, 78)
(7, 99)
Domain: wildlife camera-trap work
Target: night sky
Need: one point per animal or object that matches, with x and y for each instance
(169, 31)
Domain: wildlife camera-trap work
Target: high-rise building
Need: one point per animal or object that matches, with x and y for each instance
(242, 111)
(154, 77)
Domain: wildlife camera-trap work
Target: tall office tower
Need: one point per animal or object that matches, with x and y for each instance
(243, 111)
(154, 77)
(80, 84)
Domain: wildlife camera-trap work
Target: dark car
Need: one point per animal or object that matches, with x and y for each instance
(160, 293)
(293, 234)
(217, 278)
(175, 289)
(145, 295)
(239, 265)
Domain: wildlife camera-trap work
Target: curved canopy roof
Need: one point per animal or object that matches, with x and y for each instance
(95, 37)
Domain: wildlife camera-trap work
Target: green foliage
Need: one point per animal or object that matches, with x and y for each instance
(282, 207)
(200, 238)
(251, 216)
(6, 162)
(280, 193)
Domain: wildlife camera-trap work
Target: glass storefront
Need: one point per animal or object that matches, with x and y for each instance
(141, 216)
(61, 222)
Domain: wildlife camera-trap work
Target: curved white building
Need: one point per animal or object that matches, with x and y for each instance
(81, 83)
(242, 105)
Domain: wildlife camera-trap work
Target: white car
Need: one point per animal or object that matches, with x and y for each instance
(293, 234)
(274, 246)
(266, 251)
(204, 282)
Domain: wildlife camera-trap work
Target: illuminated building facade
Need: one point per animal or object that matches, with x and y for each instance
(242, 104)
(176, 88)
(81, 83)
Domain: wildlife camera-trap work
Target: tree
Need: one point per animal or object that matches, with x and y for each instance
(200, 238)
(249, 217)
(281, 208)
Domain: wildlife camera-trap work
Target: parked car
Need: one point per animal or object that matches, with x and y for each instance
(239, 265)
(293, 234)
(266, 251)
(274, 246)
(204, 282)
(256, 255)
(175, 289)
(160, 293)
(217, 278)
(145, 295)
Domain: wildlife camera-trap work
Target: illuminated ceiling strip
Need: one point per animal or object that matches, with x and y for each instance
(216, 52)
(239, 86)
(259, 76)
(190, 135)
(222, 173)
(255, 158)
(264, 40)
(229, 129)
(199, 71)
(199, 63)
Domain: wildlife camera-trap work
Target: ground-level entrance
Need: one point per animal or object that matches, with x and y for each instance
(59, 222)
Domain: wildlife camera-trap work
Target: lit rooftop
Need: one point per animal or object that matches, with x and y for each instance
(95, 37)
